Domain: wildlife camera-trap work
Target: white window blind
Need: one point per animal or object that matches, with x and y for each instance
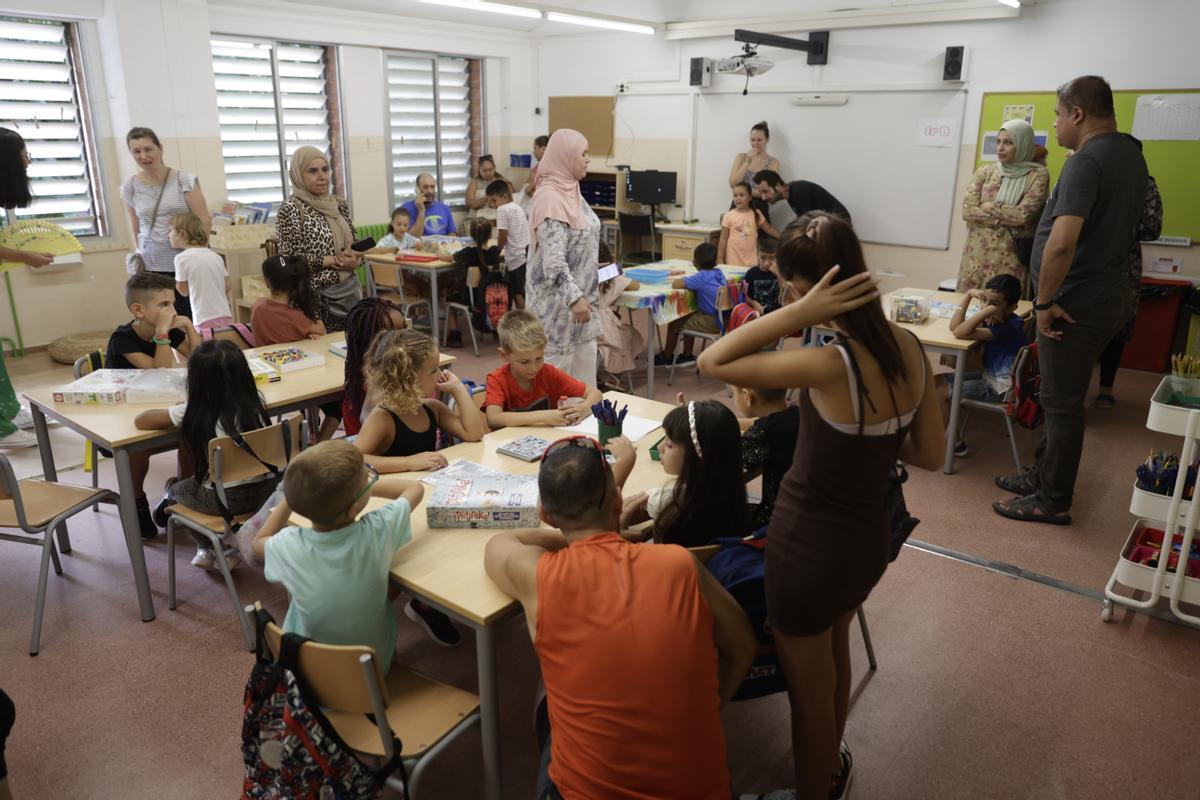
(430, 124)
(40, 100)
(271, 100)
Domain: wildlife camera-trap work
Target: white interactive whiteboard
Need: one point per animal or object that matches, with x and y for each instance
(865, 152)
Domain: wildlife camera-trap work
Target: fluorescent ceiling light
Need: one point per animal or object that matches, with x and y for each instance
(1011, 3)
(494, 8)
(597, 22)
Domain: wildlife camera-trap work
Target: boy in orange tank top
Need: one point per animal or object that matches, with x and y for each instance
(639, 645)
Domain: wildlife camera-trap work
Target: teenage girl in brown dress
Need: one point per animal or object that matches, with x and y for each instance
(865, 401)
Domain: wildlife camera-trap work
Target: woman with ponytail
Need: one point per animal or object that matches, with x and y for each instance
(865, 401)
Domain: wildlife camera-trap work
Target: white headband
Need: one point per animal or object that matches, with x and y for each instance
(692, 427)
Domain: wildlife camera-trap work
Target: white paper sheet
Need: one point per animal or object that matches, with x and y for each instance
(1167, 117)
(633, 428)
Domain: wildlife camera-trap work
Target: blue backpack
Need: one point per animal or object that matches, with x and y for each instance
(740, 566)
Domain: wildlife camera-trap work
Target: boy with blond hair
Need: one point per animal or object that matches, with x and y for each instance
(336, 569)
(526, 390)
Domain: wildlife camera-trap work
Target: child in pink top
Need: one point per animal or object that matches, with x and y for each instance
(739, 231)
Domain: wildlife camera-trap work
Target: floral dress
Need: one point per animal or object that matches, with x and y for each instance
(989, 250)
(562, 268)
(304, 231)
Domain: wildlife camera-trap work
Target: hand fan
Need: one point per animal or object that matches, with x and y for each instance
(40, 237)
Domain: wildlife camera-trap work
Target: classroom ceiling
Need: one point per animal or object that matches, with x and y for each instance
(650, 11)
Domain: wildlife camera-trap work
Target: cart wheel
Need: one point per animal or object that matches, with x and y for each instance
(1106, 613)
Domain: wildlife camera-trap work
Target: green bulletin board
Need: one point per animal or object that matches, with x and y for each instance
(1175, 165)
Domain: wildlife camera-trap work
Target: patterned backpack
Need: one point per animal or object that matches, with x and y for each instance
(495, 299)
(289, 747)
(1024, 401)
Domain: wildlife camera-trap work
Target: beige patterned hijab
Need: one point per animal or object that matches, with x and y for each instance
(327, 204)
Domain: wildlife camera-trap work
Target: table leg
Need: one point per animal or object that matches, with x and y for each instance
(960, 368)
(489, 710)
(433, 305)
(650, 354)
(133, 535)
(49, 471)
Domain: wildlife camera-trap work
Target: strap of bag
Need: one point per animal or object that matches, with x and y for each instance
(162, 190)
(276, 472)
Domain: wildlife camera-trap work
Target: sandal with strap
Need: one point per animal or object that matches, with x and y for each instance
(1030, 509)
(1020, 485)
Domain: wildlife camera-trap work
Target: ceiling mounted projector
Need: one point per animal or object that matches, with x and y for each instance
(748, 65)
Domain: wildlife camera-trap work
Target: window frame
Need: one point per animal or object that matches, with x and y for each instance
(480, 146)
(337, 141)
(80, 71)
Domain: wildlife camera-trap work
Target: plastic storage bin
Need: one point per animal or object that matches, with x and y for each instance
(1154, 333)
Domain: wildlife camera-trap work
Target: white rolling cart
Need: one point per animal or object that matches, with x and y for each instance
(1175, 515)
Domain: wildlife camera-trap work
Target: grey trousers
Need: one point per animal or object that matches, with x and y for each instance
(1066, 369)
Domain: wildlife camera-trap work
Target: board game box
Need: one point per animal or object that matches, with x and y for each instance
(483, 498)
(527, 448)
(291, 359)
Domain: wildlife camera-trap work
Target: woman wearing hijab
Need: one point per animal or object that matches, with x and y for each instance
(1003, 204)
(315, 224)
(561, 287)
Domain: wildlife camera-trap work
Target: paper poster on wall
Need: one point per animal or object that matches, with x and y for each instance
(988, 152)
(1023, 111)
(936, 132)
(1167, 117)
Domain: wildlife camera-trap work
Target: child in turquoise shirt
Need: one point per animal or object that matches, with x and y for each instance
(336, 571)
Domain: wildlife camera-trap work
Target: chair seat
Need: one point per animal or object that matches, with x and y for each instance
(421, 712)
(212, 522)
(44, 501)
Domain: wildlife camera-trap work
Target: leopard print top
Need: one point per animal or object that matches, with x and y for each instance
(304, 231)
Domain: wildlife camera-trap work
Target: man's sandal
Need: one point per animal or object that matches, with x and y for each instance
(1030, 509)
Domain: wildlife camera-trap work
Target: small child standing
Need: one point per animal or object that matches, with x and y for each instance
(487, 260)
(397, 237)
(291, 312)
(337, 571)
(768, 442)
(761, 280)
(222, 399)
(707, 284)
(200, 273)
(619, 341)
(707, 498)
(739, 230)
(512, 236)
(1003, 335)
(526, 390)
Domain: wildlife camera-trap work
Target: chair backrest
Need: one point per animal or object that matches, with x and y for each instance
(705, 552)
(635, 224)
(724, 299)
(88, 363)
(386, 275)
(230, 333)
(334, 672)
(232, 464)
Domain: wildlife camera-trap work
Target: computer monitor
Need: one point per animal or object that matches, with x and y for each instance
(650, 187)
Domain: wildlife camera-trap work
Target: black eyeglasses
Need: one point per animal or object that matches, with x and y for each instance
(587, 443)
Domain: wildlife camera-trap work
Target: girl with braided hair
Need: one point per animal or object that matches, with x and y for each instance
(364, 322)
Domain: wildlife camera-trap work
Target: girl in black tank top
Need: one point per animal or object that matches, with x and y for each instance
(401, 433)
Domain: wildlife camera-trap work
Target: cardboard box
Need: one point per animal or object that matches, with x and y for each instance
(102, 387)
(484, 499)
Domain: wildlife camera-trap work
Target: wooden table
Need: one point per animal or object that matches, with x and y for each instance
(665, 304)
(936, 337)
(111, 427)
(430, 269)
(444, 567)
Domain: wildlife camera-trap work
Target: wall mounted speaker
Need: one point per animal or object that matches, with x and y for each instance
(952, 67)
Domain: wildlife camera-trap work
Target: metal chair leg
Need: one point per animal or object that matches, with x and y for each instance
(95, 458)
(1012, 440)
(866, 634)
(39, 605)
(171, 562)
(247, 631)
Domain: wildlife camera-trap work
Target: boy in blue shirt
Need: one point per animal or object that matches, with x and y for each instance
(1003, 335)
(336, 571)
(706, 283)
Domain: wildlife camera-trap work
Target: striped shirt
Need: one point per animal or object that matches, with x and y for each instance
(154, 245)
(510, 217)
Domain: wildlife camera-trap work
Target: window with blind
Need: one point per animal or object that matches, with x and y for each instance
(434, 124)
(272, 99)
(43, 97)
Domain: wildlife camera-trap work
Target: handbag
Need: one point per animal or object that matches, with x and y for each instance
(134, 263)
(341, 297)
(1022, 247)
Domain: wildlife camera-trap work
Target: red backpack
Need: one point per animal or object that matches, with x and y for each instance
(1024, 401)
(496, 301)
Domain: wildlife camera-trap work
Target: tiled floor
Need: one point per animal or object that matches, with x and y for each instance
(988, 687)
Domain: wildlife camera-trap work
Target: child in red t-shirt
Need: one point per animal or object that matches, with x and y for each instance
(526, 390)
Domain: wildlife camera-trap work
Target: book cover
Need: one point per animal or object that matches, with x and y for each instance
(527, 448)
(262, 371)
(338, 349)
(291, 359)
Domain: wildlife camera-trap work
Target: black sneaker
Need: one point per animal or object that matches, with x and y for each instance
(662, 360)
(437, 625)
(685, 359)
(145, 518)
(961, 450)
(840, 785)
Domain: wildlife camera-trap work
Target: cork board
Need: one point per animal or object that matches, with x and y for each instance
(591, 116)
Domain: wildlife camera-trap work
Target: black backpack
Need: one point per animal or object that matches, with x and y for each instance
(289, 747)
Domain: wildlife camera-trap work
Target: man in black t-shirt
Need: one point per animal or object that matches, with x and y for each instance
(802, 196)
(1080, 276)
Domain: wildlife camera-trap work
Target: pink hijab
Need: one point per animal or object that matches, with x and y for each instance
(557, 194)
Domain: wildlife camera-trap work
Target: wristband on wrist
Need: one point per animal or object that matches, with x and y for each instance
(157, 340)
(1042, 306)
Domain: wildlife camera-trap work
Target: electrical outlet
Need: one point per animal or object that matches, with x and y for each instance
(622, 88)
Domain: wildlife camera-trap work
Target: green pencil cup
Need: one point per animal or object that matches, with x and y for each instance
(608, 432)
